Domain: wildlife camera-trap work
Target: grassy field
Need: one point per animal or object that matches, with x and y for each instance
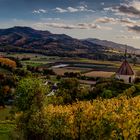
(115, 63)
(22, 55)
(5, 130)
(61, 71)
(100, 74)
(34, 63)
(6, 126)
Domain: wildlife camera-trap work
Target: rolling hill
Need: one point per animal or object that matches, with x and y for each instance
(26, 39)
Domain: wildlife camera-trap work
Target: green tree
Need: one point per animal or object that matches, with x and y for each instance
(30, 101)
(106, 94)
(70, 90)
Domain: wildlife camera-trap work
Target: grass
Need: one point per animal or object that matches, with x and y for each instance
(5, 130)
(6, 126)
(32, 63)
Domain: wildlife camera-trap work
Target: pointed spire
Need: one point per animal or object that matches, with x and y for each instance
(125, 52)
(125, 69)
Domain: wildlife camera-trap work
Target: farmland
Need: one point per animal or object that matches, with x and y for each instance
(100, 74)
(68, 80)
(87, 67)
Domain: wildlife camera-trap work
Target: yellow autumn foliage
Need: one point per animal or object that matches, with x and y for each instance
(8, 62)
(116, 118)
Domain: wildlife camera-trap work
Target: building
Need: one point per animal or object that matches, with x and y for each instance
(126, 73)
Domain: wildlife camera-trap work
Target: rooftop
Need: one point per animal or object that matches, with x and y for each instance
(125, 69)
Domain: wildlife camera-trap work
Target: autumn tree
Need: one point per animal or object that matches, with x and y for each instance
(8, 62)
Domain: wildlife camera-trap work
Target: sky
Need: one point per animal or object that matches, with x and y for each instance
(113, 20)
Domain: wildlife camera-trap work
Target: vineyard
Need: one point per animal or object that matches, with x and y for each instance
(108, 119)
(100, 119)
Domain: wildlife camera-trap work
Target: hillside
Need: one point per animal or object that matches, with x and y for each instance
(112, 45)
(26, 39)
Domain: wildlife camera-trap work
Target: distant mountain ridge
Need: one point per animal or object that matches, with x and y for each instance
(26, 39)
(112, 45)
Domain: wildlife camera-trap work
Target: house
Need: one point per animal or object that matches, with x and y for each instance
(126, 73)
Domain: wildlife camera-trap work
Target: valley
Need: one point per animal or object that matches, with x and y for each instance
(61, 65)
(66, 76)
(69, 69)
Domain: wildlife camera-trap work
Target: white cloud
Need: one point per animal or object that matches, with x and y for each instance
(72, 26)
(105, 20)
(122, 21)
(136, 37)
(135, 28)
(135, 4)
(110, 9)
(128, 37)
(131, 9)
(127, 20)
(39, 11)
(46, 19)
(69, 9)
(60, 10)
(131, 25)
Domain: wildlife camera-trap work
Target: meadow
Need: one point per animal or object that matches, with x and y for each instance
(6, 125)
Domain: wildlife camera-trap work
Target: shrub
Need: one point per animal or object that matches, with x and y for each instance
(107, 94)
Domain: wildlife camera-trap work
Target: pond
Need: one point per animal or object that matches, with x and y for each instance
(60, 66)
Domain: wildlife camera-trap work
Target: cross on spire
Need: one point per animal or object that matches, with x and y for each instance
(125, 53)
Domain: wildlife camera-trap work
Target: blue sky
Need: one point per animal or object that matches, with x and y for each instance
(115, 20)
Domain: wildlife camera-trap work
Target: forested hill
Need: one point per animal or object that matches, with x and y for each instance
(26, 39)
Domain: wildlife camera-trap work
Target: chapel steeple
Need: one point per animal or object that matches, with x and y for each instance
(125, 72)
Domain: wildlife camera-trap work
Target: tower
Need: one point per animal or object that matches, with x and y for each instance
(125, 72)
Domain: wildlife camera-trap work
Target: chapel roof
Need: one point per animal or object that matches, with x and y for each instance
(125, 69)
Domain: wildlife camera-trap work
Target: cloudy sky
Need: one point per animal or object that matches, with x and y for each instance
(115, 20)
